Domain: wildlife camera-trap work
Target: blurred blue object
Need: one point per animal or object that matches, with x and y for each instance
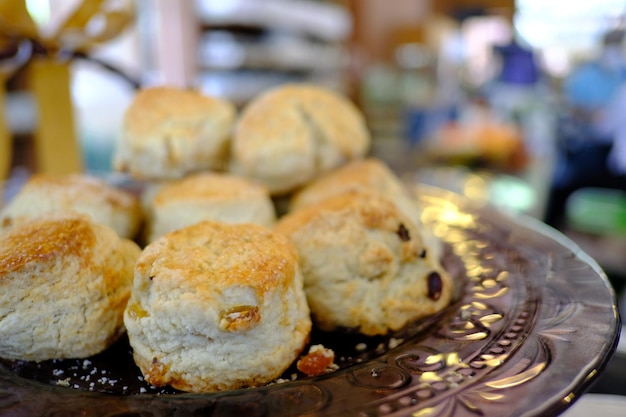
(518, 65)
(592, 85)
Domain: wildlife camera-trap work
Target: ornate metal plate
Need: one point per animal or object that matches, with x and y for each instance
(534, 323)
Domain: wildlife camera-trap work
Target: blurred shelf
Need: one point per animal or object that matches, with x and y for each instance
(323, 20)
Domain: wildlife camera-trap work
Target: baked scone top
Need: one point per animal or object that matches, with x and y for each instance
(80, 193)
(45, 240)
(231, 255)
(343, 218)
(364, 174)
(213, 185)
(157, 110)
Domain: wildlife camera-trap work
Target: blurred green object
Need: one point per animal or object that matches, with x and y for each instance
(600, 211)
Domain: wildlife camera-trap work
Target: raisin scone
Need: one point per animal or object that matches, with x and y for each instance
(169, 132)
(365, 265)
(293, 133)
(217, 306)
(64, 284)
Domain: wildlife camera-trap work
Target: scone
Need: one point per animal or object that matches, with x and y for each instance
(82, 193)
(368, 175)
(364, 264)
(217, 306)
(293, 133)
(64, 284)
(208, 196)
(169, 132)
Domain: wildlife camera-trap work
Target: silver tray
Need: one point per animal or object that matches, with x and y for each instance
(534, 323)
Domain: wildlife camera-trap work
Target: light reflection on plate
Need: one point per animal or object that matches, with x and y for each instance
(536, 323)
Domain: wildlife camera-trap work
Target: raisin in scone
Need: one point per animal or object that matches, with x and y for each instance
(64, 284)
(217, 306)
(169, 132)
(208, 196)
(81, 193)
(293, 133)
(364, 264)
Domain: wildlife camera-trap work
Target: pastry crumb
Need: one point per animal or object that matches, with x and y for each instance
(320, 360)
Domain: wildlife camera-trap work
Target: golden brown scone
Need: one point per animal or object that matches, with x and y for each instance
(217, 306)
(293, 133)
(169, 132)
(64, 284)
(208, 196)
(364, 264)
(92, 196)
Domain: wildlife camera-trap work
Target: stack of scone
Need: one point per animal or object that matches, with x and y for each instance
(225, 292)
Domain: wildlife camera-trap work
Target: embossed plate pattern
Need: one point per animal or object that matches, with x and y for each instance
(535, 322)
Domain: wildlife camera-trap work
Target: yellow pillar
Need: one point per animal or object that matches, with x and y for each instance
(6, 142)
(57, 150)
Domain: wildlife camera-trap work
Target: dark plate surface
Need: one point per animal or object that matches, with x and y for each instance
(535, 322)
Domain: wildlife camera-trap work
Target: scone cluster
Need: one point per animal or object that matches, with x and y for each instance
(220, 289)
(282, 139)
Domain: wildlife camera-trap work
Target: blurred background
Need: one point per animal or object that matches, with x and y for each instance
(517, 102)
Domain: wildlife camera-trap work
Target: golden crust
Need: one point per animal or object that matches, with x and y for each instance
(272, 265)
(368, 174)
(293, 133)
(45, 240)
(154, 108)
